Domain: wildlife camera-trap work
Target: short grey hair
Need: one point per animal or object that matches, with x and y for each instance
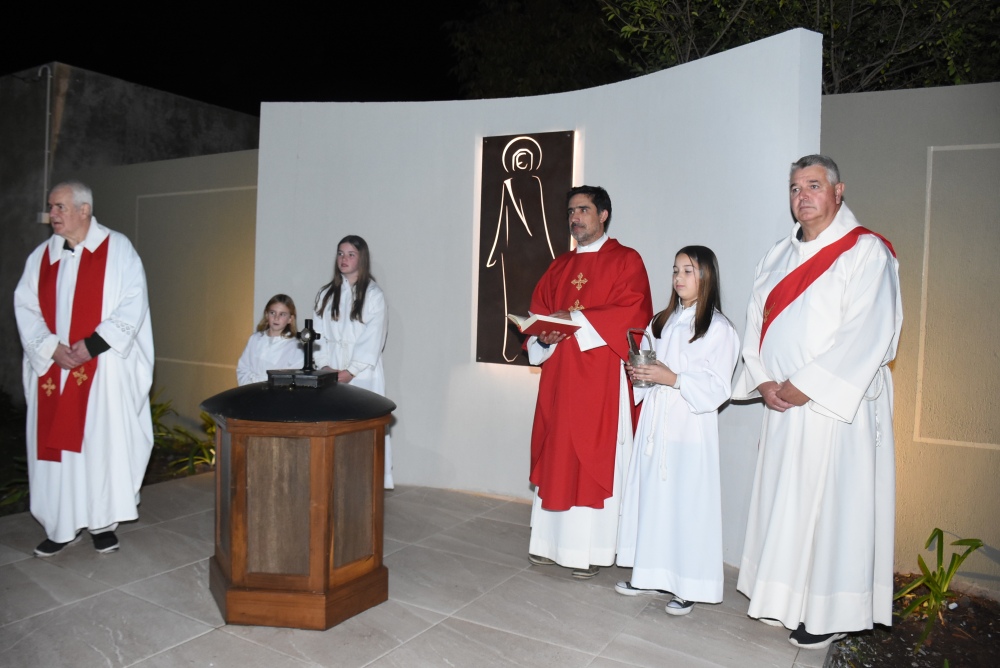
(827, 163)
(82, 194)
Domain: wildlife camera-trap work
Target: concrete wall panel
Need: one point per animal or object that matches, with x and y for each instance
(921, 168)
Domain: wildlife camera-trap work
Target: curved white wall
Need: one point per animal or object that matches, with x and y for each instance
(694, 154)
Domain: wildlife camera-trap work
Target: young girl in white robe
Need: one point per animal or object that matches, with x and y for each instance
(671, 524)
(273, 345)
(351, 316)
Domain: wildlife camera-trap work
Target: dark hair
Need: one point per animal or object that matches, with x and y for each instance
(598, 195)
(332, 289)
(709, 293)
(289, 331)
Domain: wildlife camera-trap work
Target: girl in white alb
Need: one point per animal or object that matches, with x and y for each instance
(273, 345)
(352, 325)
(671, 523)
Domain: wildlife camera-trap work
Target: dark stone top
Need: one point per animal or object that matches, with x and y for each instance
(333, 403)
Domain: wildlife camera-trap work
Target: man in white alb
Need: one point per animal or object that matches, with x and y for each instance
(83, 316)
(822, 325)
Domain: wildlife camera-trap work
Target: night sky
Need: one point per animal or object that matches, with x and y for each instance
(239, 59)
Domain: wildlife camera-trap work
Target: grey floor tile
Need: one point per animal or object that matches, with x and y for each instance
(389, 546)
(570, 613)
(203, 482)
(733, 601)
(409, 520)
(492, 540)
(607, 576)
(132, 525)
(175, 498)
(602, 662)
(448, 553)
(21, 532)
(440, 581)
(32, 586)
(9, 555)
(221, 650)
(465, 504)
(517, 512)
(706, 637)
(352, 643)
(400, 490)
(199, 525)
(183, 590)
(811, 658)
(108, 630)
(143, 554)
(458, 643)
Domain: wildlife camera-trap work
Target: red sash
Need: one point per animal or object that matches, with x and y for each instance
(794, 284)
(61, 415)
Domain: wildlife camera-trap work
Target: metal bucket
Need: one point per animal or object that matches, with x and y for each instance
(637, 356)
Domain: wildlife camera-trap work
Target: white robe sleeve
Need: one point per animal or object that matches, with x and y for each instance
(586, 336)
(537, 353)
(706, 384)
(837, 379)
(39, 343)
(371, 340)
(323, 345)
(753, 374)
(121, 325)
(244, 368)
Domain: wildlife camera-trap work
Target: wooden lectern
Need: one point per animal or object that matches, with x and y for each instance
(298, 517)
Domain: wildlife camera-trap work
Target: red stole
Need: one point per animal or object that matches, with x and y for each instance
(61, 415)
(794, 284)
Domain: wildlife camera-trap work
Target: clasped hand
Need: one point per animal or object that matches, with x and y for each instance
(67, 357)
(781, 396)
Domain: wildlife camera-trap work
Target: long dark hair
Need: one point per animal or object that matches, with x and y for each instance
(709, 293)
(332, 289)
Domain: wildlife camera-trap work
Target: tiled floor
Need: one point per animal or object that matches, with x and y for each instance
(461, 593)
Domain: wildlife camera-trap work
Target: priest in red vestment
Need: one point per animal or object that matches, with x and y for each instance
(582, 434)
(83, 316)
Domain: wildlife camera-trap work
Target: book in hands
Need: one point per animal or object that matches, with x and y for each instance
(536, 324)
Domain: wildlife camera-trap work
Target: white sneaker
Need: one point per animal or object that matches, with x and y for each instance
(678, 606)
(625, 588)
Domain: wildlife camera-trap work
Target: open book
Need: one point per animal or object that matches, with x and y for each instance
(537, 324)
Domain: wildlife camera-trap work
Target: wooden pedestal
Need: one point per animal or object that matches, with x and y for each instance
(298, 521)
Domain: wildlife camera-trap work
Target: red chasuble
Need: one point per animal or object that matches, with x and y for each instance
(574, 436)
(794, 284)
(61, 415)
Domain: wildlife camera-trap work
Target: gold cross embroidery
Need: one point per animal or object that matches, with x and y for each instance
(49, 386)
(580, 280)
(80, 375)
(577, 306)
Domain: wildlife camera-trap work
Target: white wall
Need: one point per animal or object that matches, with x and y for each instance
(192, 222)
(695, 154)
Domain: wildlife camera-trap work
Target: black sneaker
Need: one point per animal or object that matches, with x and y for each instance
(49, 547)
(105, 542)
(802, 638)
